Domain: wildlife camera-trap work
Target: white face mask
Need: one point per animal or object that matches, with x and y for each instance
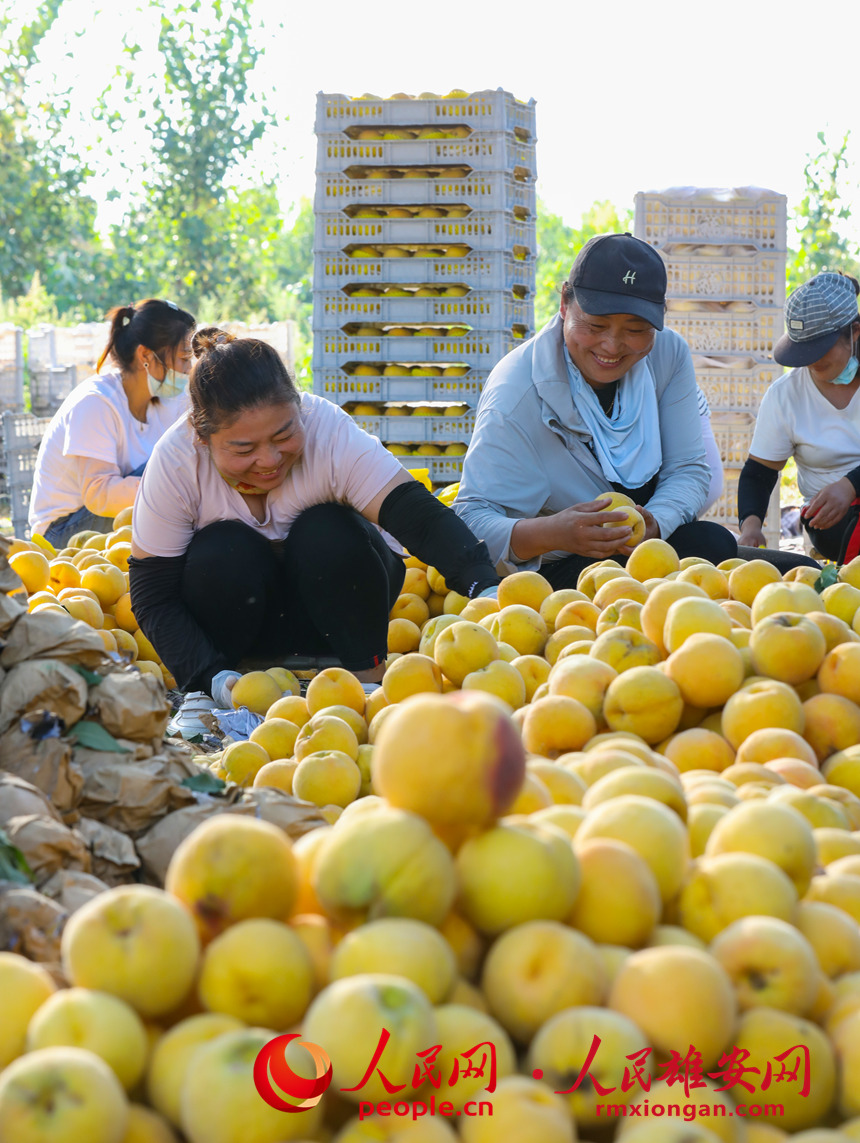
(173, 384)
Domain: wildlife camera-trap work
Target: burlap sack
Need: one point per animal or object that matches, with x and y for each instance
(71, 889)
(46, 763)
(47, 845)
(31, 924)
(52, 635)
(44, 684)
(112, 854)
(156, 847)
(132, 796)
(131, 705)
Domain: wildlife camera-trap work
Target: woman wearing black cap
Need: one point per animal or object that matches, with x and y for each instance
(603, 397)
(811, 414)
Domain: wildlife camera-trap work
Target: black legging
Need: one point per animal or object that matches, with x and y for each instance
(327, 590)
(701, 538)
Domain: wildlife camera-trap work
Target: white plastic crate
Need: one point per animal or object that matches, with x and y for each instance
(725, 511)
(49, 387)
(482, 230)
(11, 367)
(734, 382)
(490, 110)
(41, 346)
(733, 432)
(486, 309)
(22, 435)
(691, 214)
(484, 190)
(750, 333)
(481, 151)
(281, 335)
(80, 344)
(748, 276)
(342, 388)
(488, 270)
(481, 349)
(440, 469)
(430, 430)
(11, 344)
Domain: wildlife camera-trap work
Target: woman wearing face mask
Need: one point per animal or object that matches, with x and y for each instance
(99, 440)
(813, 414)
(255, 530)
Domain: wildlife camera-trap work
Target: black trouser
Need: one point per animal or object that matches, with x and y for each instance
(701, 538)
(327, 590)
(782, 561)
(832, 542)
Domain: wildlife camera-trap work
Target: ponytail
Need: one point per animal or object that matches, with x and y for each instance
(158, 325)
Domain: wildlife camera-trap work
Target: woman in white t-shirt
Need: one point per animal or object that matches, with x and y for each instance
(813, 414)
(95, 448)
(255, 529)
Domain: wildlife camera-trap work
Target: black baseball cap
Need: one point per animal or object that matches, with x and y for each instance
(620, 274)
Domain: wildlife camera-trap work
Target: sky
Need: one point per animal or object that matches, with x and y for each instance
(629, 96)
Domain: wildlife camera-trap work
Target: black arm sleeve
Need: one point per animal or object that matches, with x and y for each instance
(754, 488)
(854, 477)
(156, 600)
(437, 535)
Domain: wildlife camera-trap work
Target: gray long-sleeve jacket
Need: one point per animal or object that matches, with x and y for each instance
(529, 454)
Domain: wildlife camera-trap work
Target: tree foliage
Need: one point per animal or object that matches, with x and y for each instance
(558, 245)
(818, 215)
(47, 221)
(190, 233)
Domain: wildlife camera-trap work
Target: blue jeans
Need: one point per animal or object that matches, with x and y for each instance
(60, 531)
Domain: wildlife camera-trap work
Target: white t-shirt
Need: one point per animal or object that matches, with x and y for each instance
(182, 491)
(94, 422)
(796, 420)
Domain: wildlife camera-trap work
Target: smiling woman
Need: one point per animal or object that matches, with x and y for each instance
(257, 529)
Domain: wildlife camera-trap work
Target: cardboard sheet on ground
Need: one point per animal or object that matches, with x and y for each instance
(157, 846)
(112, 854)
(130, 705)
(46, 763)
(50, 635)
(43, 684)
(31, 924)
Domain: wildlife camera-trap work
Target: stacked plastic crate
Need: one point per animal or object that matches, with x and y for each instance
(424, 261)
(11, 368)
(725, 258)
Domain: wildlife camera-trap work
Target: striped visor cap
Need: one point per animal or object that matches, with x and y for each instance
(814, 315)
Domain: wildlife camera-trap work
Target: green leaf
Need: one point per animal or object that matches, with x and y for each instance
(13, 863)
(93, 736)
(204, 783)
(829, 576)
(89, 677)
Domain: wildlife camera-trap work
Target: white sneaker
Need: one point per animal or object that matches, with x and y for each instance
(186, 723)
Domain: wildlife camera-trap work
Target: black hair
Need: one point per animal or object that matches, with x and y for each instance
(232, 374)
(156, 324)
